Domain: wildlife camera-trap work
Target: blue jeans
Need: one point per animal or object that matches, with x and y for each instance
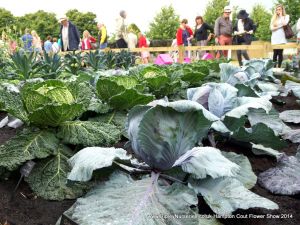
(103, 46)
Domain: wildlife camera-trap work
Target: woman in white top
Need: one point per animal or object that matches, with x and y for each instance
(279, 19)
(36, 42)
(298, 31)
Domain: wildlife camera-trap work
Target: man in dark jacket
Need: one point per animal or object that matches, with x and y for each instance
(69, 34)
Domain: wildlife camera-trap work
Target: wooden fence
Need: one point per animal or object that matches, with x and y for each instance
(256, 49)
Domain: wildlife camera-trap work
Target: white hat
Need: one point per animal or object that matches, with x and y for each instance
(227, 9)
(62, 18)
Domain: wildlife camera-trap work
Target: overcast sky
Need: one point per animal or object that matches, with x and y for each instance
(140, 12)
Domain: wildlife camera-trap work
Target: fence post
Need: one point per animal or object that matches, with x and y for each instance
(180, 53)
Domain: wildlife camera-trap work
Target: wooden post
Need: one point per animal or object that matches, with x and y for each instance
(180, 54)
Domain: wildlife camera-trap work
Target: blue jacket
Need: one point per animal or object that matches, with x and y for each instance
(74, 37)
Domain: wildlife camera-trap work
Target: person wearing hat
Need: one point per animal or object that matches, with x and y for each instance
(243, 31)
(69, 34)
(223, 30)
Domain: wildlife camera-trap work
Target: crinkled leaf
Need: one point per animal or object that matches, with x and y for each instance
(89, 133)
(245, 174)
(125, 81)
(146, 202)
(225, 195)
(290, 116)
(156, 82)
(117, 118)
(87, 160)
(27, 145)
(129, 98)
(97, 106)
(54, 115)
(165, 133)
(284, 179)
(82, 93)
(107, 88)
(12, 103)
(48, 178)
(260, 134)
(203, 161)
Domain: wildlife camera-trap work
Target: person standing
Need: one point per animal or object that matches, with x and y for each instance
(243, 34)
(121, 30)
(55, 46)
(102, 36)
(87, 40)
(279, 19)
(36, 42)
(223, 30)
(27, 40)
(201, 33)
(183, 36)
(70, 37)
(143, 44)
(48, 45)
(298, 31)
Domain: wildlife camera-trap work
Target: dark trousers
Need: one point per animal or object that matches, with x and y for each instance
(241, 53)
(121, 43)
(277, 53)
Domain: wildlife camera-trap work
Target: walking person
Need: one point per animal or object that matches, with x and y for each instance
(243, 34)
(36, 42)
(55, 46)
(69, 34)
(27, 40)
(87, 41)
(183, 36)
(48, 45)
(223, 30)
(201, 34)
(279, 19)
(102, 36)
(121, 30)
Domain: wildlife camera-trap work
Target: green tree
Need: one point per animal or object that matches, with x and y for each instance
(134, 28)
(213, 10)
(6, 19)
(292, 8)
(44, 23)
(261, 18)
(165, 24)
(83, 21)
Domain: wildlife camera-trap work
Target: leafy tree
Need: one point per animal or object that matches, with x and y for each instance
(6, 19)
(83, 21)
(134, 28)
(44, 23)
(262, 19)
(213, 10)
(165, 24)
(292, 7)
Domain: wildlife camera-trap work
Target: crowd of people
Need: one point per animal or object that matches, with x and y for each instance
(223, 31)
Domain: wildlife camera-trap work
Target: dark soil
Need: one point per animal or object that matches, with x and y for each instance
(27, 209)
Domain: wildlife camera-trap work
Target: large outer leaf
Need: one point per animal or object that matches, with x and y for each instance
(203, 161)
(225, 195)
(129, 98)
(12, 103)
(245, 174)
(226, 73)
(292, 86)
(283, 179)
(199, 95)
(245, 91)
(290, 116)
(54, 115)
(260, 134)
(87, 160)
(147, 203)
(166, 133)
(107, 88)
(216, 102)
(292, 135)
(89, 133)
(157, 82)
(125, 81)
(26, 146)
(49, 177)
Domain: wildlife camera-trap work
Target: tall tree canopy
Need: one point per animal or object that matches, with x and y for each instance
(292, 7)
(165, 24)
(262, 19)
(6, 19)
(213, 10)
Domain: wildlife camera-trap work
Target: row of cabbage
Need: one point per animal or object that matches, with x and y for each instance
(165, 135)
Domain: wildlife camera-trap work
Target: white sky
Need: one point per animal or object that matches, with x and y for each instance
(140, 12)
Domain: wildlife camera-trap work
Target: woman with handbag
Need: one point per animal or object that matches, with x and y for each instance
(278, 21)
(243, 34)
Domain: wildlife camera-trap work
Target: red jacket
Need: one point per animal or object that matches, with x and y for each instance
(143, 42)
(179, 35)
(89, 41)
